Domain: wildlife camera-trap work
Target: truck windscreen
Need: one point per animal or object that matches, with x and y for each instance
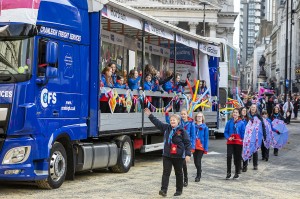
(15, 59)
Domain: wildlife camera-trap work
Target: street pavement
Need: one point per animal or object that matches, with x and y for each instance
(277, 178)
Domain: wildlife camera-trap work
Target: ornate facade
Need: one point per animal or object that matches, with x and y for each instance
(189, 14)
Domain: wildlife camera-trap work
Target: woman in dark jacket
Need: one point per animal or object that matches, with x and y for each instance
(177, 148)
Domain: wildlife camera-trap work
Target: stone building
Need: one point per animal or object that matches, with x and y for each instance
(251, 12)
(278, 39)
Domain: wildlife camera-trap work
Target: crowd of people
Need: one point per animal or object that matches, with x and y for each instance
(246, 131)
(153, 81)
(288, 109)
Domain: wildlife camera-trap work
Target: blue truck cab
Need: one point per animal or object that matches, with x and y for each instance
(48, 100)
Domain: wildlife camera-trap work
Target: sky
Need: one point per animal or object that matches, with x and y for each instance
(236, 24)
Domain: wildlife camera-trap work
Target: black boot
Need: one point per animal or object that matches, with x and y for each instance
(244, 169)
(162, 193)
(177, 193)
(185, 182)
(236, 176)
(197, 179)
(228, 176)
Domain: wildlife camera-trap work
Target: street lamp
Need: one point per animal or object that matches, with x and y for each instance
(204, 4)
(291, 35)
(286, 51)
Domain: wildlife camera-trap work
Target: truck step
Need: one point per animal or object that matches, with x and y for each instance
(152, 147)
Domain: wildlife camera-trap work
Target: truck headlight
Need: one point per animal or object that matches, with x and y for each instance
(17, 155)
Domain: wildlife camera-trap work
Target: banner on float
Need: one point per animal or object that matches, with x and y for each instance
(118, 39)
(190, 43)
(210, 50)
(155, 50)
(158, 31)
(122, 17)
(112, 37)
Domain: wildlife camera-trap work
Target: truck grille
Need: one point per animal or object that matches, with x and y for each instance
(4, 117)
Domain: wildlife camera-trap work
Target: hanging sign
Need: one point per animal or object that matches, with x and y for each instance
(153, 49)
(159, 31)
(122, 17)
(190, 43)
(210, 50)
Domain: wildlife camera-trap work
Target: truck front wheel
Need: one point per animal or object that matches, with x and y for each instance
(125, 156)
(57, 168)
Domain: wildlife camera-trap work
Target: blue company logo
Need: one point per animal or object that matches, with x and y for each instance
(47, 98)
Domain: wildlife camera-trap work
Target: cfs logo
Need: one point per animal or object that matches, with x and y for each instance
(47, 98)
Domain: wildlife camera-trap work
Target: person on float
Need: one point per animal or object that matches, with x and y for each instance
(106, 81)
(178, 87)
(114, 71)
(134, 80)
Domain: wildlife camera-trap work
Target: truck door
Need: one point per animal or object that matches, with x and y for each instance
(58, 80)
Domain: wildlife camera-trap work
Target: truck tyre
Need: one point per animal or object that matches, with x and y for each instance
(125, 155)
(57, 168)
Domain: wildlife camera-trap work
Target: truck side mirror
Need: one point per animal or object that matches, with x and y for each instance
(51, 72)
(52, 53)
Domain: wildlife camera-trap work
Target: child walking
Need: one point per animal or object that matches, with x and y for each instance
(201, 143)
(234, 133)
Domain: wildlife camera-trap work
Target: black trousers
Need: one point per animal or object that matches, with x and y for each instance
(264, 151)
(234, 150)
(276, 150)
(198, 154)
(288, 118)
(177, 163)
(295, 113)
(254, 159)
(185, 172)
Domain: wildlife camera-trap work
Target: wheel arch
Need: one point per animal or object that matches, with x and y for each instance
(65, 139)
